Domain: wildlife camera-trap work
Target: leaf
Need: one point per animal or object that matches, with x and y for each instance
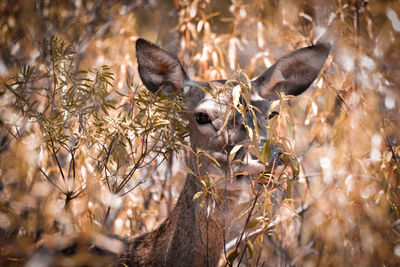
(161, 122)
(289, 127)
(295, 167)
(252, 224)
(289, 189)
(188, 170)
(254, 118)
(233, 152)
(197, 195)
(233, 255)
(236, 95)
(273, 123)
(226, 118)
(202, 152)
(250, 132)
(250, 247)
(268, 206)
(203, 182)
(266, 151)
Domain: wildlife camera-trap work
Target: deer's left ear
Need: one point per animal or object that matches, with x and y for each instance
(159, 70)
(292, 73)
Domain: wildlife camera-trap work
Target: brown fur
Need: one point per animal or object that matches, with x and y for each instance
(181, 238)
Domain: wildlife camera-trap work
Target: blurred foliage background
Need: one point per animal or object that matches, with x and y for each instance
(84, 150)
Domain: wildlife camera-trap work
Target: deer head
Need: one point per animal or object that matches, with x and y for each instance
(210, 129)
(218, 132)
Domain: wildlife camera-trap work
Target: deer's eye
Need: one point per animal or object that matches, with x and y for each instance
(202, 118)
(273, 114)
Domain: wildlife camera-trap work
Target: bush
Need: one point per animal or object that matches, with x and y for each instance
(85, 149)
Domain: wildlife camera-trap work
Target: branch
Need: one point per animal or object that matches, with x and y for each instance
(274, 222)
(48, 178)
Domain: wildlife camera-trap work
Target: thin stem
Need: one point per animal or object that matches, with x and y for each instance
(48, 178)
(56, 159)
(207, 223)
(239, 240)
(106, 217)
(227, 174)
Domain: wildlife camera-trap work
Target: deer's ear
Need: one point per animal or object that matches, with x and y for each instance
(292, 73)
(159, 70)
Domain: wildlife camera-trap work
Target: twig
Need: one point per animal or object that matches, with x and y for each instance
(56, 159)
(274, 222)
(243, 234)
(48, 178)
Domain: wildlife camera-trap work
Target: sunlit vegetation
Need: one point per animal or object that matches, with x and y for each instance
(86, 151)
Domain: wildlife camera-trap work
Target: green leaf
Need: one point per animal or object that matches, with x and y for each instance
(266, 151)
(252, 224)
(188, 170)
(250, 247)
(233, 255)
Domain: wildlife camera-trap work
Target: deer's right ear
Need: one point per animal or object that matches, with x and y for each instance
(159, 70)
(292, 73)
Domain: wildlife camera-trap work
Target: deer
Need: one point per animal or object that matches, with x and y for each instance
(192, 234)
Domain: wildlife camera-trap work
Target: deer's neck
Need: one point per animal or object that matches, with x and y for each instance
(188, 237)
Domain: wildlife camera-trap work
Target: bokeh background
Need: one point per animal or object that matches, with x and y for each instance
(86, 152)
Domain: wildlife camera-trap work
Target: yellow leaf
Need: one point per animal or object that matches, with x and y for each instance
(233, 152)
(188, 170)
(197, 195)
(236, 95)
(210, 157)
(250, 247)
(232, 256)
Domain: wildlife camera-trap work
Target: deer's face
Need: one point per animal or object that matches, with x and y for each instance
(215, 126)
(214, 123)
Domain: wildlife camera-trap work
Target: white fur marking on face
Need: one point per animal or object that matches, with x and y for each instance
(186, 89)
